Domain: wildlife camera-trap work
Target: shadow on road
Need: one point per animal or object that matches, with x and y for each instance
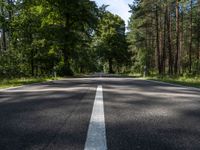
(46, 119)
(150, 116)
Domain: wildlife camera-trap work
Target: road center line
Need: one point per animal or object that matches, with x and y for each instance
(96, 136)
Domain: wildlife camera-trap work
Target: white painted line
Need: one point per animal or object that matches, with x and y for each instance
(96, 136)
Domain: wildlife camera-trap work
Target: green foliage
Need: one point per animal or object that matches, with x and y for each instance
(44, 36)
(110, 41)
(9, 82)
(193, 81)
(164, 36)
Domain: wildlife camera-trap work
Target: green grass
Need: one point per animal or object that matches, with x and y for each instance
(186, 81)
(136, 75)
(5, 83)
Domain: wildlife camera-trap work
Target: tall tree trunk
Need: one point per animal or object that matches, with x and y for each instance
(181, 43)
(10, 2)
(32, 63)
(110, 65)
(67, 68)
(177, 38)
(190, 47)
(163, 61)
(161, 42)
(158, 41)
(4, 44)
(147, 63)
(198, 48)
(170, 61)
(10, 14)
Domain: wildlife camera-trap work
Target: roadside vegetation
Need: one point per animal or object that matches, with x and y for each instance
(44, 37)
(5, 83)
(186, 81)
(164, 38)
(70, 37)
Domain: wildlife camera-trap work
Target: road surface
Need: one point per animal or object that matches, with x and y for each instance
(100, 113)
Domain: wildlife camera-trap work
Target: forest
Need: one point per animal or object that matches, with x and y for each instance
(40, 37)
(164, 36)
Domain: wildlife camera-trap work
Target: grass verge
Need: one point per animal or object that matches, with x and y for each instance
(6, 83)
(186, 81)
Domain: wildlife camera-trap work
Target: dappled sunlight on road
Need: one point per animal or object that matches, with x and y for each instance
(148, 115)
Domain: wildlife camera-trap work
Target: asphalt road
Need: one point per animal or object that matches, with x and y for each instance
(138, 114)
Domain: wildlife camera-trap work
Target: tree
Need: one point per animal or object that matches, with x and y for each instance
(49, 31)
(111, 40)
(177, 38)
(75, 24)
(160, 18)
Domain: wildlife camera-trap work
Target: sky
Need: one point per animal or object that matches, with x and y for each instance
(119, 7)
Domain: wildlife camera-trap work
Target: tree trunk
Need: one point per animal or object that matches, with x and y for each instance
(110, 65)
(164, 43)
(32, 63)
(190, 47)
(10, 2)
(147, 63)
(177, 38)
(170, 61)
(10, 14)
(158, 42)
(67, 68)
(198, 48)
(4, 45)
(181, 43)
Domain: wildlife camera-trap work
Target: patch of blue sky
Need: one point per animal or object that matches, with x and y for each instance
(118, 7)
